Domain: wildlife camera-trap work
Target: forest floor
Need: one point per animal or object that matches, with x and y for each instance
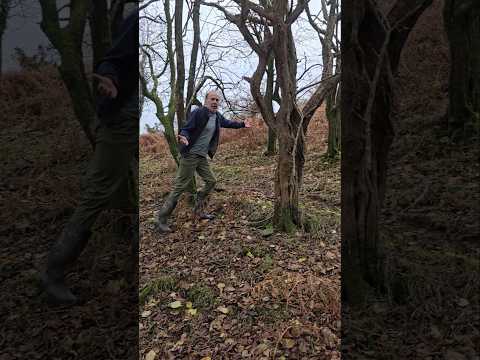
(43, 155)
(429, 222)
(231, 288)
(430, 228)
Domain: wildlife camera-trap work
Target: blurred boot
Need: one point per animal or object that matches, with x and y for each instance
(64, 252)
(166, 210)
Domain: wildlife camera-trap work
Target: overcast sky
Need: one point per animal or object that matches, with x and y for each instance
(23, 31)
(233, 65)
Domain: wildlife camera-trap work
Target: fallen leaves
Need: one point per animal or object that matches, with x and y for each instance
(223, 309)
(191, 312)
(175, 304)
(288, 343)
(237, 276)
(146, 313)
(151, 355)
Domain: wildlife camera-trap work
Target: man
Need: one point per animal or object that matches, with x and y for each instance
(198, 139)
(116, 146)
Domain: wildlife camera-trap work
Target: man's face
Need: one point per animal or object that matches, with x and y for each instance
(212, 102)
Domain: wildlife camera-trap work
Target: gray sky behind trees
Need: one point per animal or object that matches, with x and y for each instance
(237, 59)
(23, 31)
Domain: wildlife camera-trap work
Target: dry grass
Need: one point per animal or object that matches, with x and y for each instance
(307, 292)
(246, 139)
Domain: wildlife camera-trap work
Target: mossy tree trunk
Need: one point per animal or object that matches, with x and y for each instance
(334, 124)
(271, 143)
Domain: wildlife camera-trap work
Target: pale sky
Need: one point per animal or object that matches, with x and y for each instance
(233, 65)
(24, 32)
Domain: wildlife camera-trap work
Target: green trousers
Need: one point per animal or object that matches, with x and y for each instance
(112, 177)
(189, 163)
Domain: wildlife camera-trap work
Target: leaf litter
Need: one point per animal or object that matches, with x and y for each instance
(257, 293)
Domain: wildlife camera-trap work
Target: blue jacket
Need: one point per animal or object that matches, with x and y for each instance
(120, 64)
(196, 123)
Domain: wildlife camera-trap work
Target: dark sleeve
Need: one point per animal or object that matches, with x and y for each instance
(231, 124)
(122, 58)
(191, 124)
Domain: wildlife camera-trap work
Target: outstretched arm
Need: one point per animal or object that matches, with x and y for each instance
(234, 124)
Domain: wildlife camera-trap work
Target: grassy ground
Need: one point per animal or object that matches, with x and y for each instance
(228, 288)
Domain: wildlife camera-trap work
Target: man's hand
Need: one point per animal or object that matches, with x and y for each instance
(183, 140)
(106, 87)
(247, 123)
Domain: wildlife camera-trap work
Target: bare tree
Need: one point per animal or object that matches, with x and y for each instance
(65, 27)
(289, 123)
(68, 42)
(371, 48)
(326, 26)
(160, 83)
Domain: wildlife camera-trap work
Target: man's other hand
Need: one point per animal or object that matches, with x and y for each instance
(248, 123)
(183, 140)
(106, 87)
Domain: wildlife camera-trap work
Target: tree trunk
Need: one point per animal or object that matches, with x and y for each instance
(462, 24)
(370, 55)
(73, 75)
(68, 42)
(269, 95)
(169, 133)
(194, 54)
(1, 57)
(4, 10)
(366, 132)
(288, 182)
(334, 124)
(287, 215)
(271, 143)
(180, 83)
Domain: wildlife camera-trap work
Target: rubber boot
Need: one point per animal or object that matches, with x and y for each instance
(162, 217)
(64, 252)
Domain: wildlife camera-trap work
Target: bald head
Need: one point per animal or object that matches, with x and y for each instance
(212, 100)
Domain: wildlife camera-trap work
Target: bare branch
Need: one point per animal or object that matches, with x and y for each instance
(146, 5)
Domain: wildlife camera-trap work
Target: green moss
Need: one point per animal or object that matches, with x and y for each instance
(284, 222)
(266, 265)
(153, 287)
(201, 296)
(257, 250)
